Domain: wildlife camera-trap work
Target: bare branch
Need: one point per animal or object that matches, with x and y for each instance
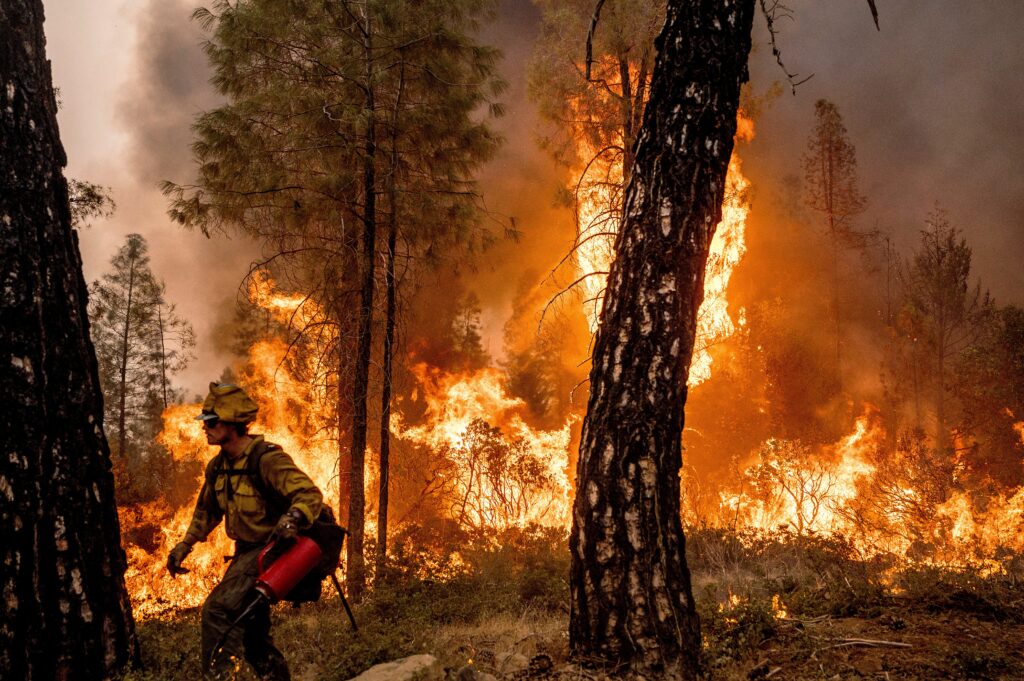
(773, 10)
(590, 36)
(874, 13)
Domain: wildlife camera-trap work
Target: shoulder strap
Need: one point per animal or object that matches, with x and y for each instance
(277, 501)
(213, 469)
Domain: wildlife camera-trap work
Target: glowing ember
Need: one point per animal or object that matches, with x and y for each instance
(779, 608)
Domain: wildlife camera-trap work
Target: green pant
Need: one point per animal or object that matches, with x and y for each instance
(250, 638)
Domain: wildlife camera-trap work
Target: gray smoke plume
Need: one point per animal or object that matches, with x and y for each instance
(170, 88)
(931, 103)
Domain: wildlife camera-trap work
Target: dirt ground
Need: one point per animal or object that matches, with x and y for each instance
(896, 643)
(900, 643)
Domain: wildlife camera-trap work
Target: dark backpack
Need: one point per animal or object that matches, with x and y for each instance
(325, 530)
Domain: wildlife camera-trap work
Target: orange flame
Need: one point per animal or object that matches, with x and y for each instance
(597, 226)
(807, 491)
(531, 488)
(291, 415)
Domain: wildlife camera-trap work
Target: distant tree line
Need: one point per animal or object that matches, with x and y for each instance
(141, 343)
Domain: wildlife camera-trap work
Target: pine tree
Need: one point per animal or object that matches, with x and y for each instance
(604, 111)
(329, 103)
(943, 315)
(830, 167)
(89, 200)
(65, 612)
(140, 343)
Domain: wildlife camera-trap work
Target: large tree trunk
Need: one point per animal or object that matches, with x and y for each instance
(64, 612)
(631, 600)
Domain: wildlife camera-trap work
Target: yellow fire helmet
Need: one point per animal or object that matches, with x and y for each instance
(228, 402)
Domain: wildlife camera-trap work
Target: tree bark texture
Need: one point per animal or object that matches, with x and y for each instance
(631, 599)
(64, 610)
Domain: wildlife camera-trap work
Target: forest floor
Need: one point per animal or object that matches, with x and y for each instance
(775, 607)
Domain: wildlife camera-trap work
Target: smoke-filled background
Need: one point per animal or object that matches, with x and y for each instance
(834, 455)
(930, 102)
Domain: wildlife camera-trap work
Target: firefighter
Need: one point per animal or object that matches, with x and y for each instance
(229, 493)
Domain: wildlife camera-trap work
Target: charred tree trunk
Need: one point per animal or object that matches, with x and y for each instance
(389, 338)
(356, 568)
(631, 600)
(385, 399)
(65, 612)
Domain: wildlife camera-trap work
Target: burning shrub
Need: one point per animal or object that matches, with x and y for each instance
(484, 466)
(733, 628)
(792, 485)
(500, 480)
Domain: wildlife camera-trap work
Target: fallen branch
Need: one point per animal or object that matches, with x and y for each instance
(870, 643)
(812, 620)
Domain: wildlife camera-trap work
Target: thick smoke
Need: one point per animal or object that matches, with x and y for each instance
(170, 88)
(929, 102)
(167, 91)
(931, 120)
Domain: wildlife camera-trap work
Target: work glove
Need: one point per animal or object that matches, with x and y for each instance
(176, 557)
(288, 526)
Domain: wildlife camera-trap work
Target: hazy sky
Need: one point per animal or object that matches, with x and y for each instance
(931, 103)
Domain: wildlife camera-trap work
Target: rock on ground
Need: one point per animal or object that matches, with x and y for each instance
(412, 668)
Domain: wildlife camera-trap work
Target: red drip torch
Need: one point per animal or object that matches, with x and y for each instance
(277, 580)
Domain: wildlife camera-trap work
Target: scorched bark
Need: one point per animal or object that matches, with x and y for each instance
(64, 610)
(631, 599)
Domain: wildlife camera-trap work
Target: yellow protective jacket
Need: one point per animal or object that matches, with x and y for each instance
(249, 517)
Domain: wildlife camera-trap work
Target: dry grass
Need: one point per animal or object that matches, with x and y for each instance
(505, 643)
(507, 617)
